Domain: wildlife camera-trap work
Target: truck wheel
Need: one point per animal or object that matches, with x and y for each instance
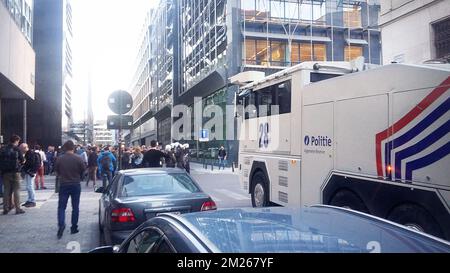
(417, 218)
(260, 194)
(350, 200)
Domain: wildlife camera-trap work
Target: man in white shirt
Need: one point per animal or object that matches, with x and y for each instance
(40, 173)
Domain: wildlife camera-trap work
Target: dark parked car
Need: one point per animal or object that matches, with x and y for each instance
(134, 196)
(317, 229)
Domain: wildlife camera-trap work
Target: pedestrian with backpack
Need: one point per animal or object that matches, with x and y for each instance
(106, 162)
(11, 161)
(29, 170)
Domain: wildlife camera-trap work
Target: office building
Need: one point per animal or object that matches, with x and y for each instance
(50, 115)
(17, 66)
(103, 136)
(217, 39)
(415, 31)
(157, 75)
(220, 39)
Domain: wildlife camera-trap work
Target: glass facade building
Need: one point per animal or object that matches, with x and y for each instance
(220, 38)
(156, 75)
(288, 32)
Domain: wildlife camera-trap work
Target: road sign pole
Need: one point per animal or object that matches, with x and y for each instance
(120, 144)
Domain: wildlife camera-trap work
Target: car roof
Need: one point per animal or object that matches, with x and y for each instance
(152, 171)
(307, 229)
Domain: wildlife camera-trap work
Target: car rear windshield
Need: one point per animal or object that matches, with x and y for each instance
(145, 185)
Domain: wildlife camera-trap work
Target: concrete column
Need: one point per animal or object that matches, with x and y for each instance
(24, 137)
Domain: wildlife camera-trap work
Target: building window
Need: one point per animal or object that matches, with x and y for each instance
(250, 51)
(318, 12)
(313, 52)
(442, 38)
(320, 52)
(262, 9)
(352, 16)
(352, 52)
(257, 52)
(277, 9)
(248, 9)
(295, 53)
(262, 52)
(278, 50)
(292, 10)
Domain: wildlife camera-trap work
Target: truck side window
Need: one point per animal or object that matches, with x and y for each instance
(285, 97)
(251, 108)
(265, 102)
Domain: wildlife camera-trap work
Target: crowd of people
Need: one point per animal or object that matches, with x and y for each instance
(30, 164)
(73, 164)
(103, 162)
(19, 160)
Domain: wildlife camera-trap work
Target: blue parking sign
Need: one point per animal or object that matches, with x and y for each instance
(204, 135)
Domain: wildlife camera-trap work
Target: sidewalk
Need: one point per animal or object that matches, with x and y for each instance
(41, 195)
(35, 231)
(198, 168)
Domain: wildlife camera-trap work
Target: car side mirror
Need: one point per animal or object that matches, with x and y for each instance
(103, 250)
(100, 190)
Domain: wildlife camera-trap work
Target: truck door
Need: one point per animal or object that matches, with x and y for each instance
(317, 151)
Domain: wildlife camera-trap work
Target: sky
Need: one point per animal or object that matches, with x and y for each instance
(105, 45)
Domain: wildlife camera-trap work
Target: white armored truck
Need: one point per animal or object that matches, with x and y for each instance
(377, 141)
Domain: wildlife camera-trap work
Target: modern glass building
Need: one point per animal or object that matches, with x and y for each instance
(283, 33)
(221, 38)
(157, 75)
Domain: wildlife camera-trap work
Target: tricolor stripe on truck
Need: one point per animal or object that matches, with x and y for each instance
(384, 169)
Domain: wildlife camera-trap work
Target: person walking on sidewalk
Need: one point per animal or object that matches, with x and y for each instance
(11, 161)
(92, 166)
(222, 157)
(106, 162)
(51, 157)
(81, 152)
(70, 169)
(29, 170)
(40, 173)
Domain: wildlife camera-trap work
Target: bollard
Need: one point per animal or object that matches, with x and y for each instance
(232, 166)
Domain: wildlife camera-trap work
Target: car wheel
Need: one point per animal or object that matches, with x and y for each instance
(260, 192)
(417, 218)
(350, 200)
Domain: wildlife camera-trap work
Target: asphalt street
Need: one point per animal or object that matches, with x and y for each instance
(35, 231)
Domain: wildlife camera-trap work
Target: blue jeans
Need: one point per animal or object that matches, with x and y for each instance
(222, 162)
(29, 181)
(65, 191)
(106, 178)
